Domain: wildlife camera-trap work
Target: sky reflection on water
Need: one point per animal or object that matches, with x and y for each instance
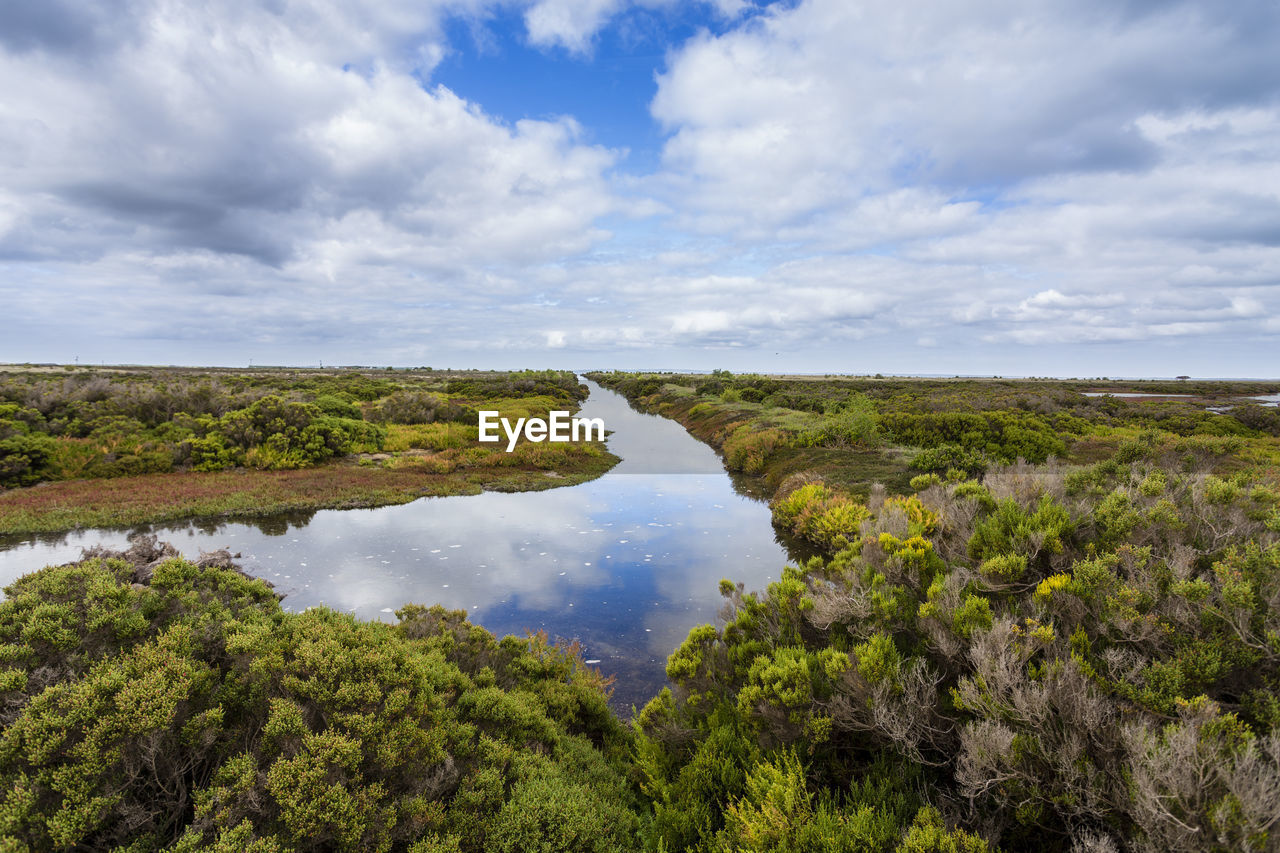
(626, 564)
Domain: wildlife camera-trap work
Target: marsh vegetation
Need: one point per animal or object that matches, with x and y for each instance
(139, 445)
(1032, 620)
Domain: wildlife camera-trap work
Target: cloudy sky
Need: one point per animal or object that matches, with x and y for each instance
(1023, 187)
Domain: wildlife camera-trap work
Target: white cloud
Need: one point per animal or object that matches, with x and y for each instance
(297, 136)
(838, 182)
(568, 23)
(1033, 199)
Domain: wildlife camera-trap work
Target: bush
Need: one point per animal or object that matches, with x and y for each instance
(853, 424)
(814, 512)
(152, 703)
(948, 457)
(337, 407)
(25, 459)
(415, 407)
(748, 449)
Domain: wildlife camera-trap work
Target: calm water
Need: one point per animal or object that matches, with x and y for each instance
(626, 564)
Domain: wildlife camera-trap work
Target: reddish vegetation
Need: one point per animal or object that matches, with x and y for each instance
(162, 497)
(148, 489)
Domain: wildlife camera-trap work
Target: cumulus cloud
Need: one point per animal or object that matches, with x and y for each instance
(830, 98)
(839, 184)
(568, 23)
(1031, 174)
(277, 169)
(282, 136)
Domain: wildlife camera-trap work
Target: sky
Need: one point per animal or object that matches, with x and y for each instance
(1012, 187)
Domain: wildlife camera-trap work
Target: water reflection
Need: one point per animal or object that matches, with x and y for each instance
(627, 563)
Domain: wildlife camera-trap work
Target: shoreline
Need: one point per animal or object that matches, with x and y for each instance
(121, 502)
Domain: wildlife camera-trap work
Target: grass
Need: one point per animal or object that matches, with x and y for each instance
(850, 469)
(437, 436)
(155, 498)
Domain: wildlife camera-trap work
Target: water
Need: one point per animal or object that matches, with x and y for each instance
(1130, 394)
(626, 564)
(1265, 400)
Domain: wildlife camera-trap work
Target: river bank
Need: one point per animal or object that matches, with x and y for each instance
(122, 447)
(625, 564)
(247, 493)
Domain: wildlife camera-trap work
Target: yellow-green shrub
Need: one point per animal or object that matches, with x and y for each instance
(749, 449)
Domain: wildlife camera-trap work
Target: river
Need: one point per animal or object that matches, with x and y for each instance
(626, 564)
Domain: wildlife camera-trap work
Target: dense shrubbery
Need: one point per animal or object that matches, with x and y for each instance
(1058, 654)
(1005, 436)
(1085, 657)
(748, 449)
(420, 407)
(851, 423)
(846, 428)
(152, 703)
(116, 423)
(1050, 658)
(944, 458)
(275, 433)
(24, 458)
(557, 384)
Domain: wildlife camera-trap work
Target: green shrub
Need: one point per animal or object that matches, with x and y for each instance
(853, 424)
(748, 449)
(191, 711)
(920, 482)
(25, 459)
(947, 457)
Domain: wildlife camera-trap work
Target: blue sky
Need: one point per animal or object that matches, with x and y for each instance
(990, 186)
(608, 87)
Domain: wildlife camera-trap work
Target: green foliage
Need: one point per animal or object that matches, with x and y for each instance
(920, 482)
(1079, 656)
(816, 513)
(878, 660)
(159, 420)
(852, 423)
(782, 680)
(921, 521)
(1054, 657)
(779, 814)
(552, 814)
(949, 457)
(1003, 435)
(748, 450)
(974, 614)
(1011, 529)
(25, 459)
(928, 834)
(338, 406)
(421, 407)
(274, 433)
(1005, 567)
(190, 711)
(787, 510)
(999, 641)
